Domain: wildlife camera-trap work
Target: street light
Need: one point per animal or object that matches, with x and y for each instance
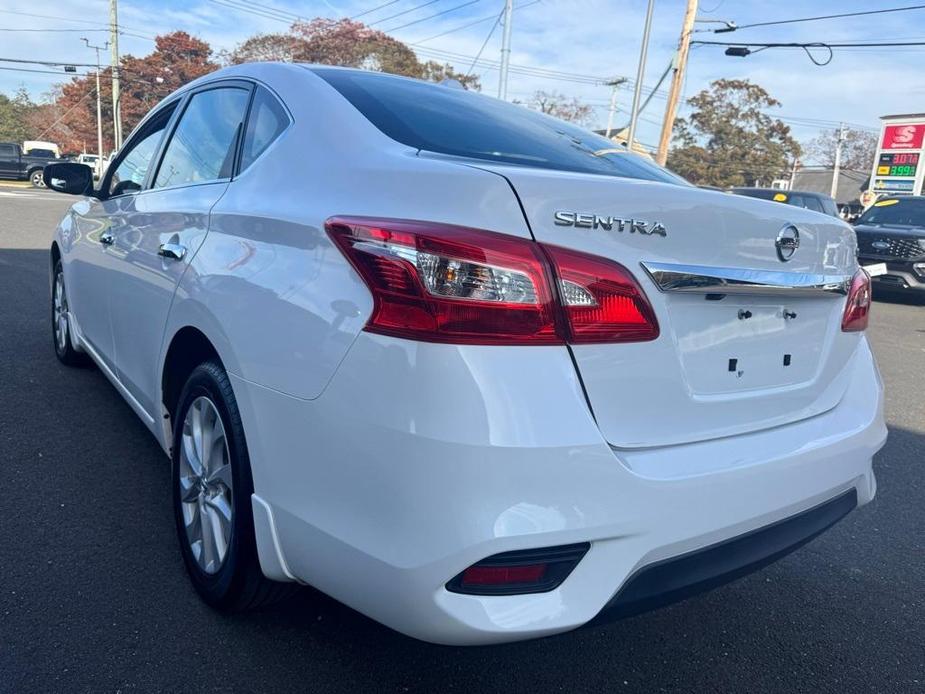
(99, 108)
(738, 51)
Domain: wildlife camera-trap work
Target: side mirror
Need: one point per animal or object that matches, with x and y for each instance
(71, 178)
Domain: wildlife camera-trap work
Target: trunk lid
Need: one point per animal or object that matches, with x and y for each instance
(729, 360)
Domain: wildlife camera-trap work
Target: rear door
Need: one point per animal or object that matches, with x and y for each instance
(9, 161)
(160, 228)
(725, 362)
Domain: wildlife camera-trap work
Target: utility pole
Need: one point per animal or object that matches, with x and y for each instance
(677, 80)
(613, 84)
(793, 172)
(114, 60)
(505, 49)
(640, 75)
(839, 141)
(99, 108)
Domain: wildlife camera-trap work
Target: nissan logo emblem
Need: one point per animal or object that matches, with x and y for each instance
(788, 240)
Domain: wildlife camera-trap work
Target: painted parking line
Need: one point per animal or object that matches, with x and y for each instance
(29, 194)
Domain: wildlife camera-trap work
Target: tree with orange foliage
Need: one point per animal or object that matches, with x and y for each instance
(347, 43)
(70, 120)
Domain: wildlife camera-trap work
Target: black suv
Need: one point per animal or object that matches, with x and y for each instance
(893, 231)
(817, 202)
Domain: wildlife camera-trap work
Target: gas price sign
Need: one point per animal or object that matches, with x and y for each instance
(898, 164)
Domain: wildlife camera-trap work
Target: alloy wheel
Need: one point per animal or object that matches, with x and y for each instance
(60, 313)
(206, 486)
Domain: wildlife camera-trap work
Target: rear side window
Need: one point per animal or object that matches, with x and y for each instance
(441, 119)
(202, 146)
(267, 121)
(812, 203)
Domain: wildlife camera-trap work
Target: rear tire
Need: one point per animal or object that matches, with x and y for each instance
(61, 323)
(212, 488)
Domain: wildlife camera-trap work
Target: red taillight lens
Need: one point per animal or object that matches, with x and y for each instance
(601, 299)
(444, 283)
(857, 307)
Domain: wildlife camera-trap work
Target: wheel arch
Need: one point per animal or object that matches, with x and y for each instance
(188, 348)
(54, 257)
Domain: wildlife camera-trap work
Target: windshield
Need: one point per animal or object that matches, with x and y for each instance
(442, 119)
(896, 211)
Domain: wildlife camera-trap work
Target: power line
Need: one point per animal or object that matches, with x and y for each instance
(431, 16)
(403, 12)
(132, 30)
(46, 63)
(52, 30)
(258, 11)
(46, 72)
(810, 44)
(461, 27)
(735, 27)
(485, 43)
(373, 9)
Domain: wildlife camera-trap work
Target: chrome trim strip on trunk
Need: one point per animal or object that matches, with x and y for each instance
(703, 279)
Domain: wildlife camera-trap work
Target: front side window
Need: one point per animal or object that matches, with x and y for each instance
(267, 121)
(436, 118)
(202, 146)
(133, 166)
(7, 150)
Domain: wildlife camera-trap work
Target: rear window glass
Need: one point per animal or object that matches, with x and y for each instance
(442, 119)
(763, 194)
(900, 211)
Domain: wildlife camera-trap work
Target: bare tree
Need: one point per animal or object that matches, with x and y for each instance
(561, 106)
(857, 152)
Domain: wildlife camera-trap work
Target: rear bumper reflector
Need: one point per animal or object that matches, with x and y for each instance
(519, 572)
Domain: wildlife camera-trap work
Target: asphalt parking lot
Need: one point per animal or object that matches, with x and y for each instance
(93, 595)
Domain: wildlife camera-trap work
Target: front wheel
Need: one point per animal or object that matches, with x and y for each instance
(61, 322)
(212, 487)
(37, 178)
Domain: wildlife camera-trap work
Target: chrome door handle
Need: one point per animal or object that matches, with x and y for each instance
(174, 251)
(107, 239)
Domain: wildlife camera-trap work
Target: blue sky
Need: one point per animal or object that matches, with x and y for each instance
(590, 40)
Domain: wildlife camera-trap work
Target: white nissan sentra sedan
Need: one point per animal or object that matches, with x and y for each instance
(462, 366)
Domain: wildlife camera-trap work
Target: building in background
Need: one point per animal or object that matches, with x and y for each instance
(851, 186)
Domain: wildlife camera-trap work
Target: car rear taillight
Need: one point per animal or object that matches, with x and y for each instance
(521, 571)
(445, 283)
(857, 307)
(601, 299)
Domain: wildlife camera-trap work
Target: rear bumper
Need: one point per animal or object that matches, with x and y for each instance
(681, 577)
(900, 276)
(380, 495)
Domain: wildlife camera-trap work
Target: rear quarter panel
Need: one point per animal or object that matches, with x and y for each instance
(284, 301)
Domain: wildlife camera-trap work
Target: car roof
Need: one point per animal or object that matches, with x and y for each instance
(751, 189)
